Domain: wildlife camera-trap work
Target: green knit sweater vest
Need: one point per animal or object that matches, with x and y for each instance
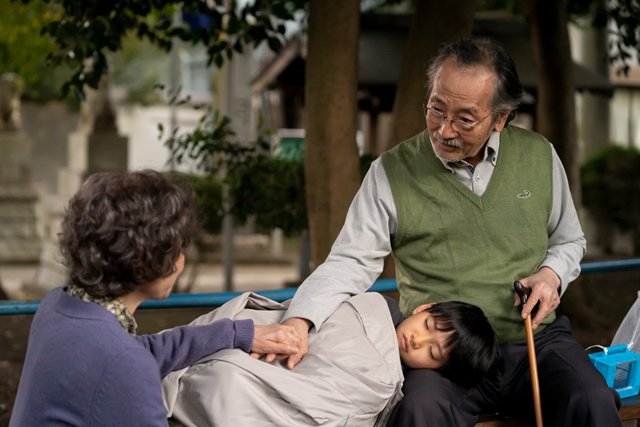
(453, 245)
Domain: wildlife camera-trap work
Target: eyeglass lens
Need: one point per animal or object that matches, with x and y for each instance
(437, 118)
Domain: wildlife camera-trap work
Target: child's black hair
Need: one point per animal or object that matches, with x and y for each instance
(475, 346)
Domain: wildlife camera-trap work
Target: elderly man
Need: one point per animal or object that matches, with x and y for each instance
(468, 207)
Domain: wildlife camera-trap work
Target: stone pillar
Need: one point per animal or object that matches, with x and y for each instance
(19, 238)
(594, 129)
(106, 149)
(94, 146)
(51, 272)
(589, 48)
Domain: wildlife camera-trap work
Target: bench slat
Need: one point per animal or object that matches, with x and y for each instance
(630, 410)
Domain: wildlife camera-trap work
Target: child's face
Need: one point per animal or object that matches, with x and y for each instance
(421, 345)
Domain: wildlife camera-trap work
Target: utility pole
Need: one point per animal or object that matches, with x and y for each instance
(174, 78)
(224, 104)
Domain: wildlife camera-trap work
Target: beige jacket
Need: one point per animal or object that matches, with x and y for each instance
(352, 375)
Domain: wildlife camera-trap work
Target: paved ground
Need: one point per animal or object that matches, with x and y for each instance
(13, 277)
(209, 278)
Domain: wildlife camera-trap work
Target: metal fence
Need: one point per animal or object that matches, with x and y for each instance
(217, 299)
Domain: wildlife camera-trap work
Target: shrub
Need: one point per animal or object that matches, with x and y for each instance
(611, 189)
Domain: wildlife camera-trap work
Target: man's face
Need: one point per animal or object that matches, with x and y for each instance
(420, 343)
(462, 94)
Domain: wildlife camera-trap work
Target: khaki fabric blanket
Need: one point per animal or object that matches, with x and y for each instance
(352, 375)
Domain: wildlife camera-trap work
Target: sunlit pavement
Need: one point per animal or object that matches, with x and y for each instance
(15, 279)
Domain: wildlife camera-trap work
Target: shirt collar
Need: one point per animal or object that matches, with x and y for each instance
(114, 305)
(490, 153)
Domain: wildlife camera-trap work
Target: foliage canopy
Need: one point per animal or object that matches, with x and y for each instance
(266, 186)
(87, 29)
(23, 48)
(269, 188)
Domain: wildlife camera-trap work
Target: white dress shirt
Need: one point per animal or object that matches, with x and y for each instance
(357, 256)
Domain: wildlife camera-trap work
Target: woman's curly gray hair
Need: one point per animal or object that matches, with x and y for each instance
(124, 229)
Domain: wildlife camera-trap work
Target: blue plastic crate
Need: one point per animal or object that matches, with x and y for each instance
(619, 365)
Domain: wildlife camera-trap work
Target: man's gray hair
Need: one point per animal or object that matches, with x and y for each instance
(486, 53)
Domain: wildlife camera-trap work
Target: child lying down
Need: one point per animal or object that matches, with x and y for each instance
(452, 337)
(351, 376)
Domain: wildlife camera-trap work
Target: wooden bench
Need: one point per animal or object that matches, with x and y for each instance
(630, 410)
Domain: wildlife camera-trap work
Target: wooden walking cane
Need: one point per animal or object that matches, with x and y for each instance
(524, 293)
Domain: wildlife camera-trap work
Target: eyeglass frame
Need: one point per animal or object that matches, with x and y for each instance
(445, 118)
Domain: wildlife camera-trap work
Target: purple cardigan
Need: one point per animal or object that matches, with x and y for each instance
(83, 368)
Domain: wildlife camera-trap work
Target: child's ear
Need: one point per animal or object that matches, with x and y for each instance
(423, 307)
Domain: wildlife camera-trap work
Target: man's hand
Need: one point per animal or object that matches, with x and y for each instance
(544, 288)
(276, 341)
(301, 327)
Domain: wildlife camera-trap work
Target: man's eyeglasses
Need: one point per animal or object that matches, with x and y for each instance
(460, 125)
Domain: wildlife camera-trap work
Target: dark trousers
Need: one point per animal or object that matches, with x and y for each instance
(573, 392)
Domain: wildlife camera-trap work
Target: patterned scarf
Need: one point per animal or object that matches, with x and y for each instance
(114, 305)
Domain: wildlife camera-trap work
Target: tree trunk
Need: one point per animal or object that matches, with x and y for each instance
(331, 157)
(3, 295)
(555, 109)
(433, 23)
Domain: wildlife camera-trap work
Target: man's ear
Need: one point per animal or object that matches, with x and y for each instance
(501, 121)
(423, 307)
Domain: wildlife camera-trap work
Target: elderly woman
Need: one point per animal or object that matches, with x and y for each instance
(124, 238)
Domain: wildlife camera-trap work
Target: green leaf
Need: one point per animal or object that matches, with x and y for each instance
(274, 44)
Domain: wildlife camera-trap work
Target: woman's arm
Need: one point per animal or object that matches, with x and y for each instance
(179, 347)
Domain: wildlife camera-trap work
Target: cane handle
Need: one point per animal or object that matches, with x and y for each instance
(522, 290)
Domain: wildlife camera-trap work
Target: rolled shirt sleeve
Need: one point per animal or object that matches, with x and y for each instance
(567, 244)
(357, 256)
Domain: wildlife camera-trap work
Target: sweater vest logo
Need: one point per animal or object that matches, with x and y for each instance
(524, 195)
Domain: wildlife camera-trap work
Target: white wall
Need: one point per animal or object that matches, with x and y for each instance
(625, 117)
(140, 125)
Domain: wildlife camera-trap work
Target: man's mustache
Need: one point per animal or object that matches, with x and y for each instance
(454, 142)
